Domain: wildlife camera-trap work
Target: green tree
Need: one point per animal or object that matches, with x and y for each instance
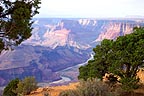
(16, 21)
(128, 57)
(122, 57)
(9, 89)
(99, 65)
(26, 86)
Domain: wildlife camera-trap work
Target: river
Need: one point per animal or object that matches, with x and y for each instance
(66, 77)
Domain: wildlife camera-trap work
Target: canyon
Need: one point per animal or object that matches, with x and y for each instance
(59, 43)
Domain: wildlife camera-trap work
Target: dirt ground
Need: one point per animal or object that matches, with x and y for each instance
(53, 91)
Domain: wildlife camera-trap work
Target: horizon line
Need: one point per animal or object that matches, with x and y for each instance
(120, 18)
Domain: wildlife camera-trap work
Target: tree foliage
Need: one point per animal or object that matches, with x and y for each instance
(121, 57)
(9, 89)
(16, 21)
(98, 66)
(18, 87)
(26, 86)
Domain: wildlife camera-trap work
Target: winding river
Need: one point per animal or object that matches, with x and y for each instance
(65, 78)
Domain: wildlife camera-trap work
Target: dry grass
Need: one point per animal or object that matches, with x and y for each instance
(53, 91)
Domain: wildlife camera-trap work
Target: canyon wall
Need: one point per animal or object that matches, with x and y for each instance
(56, 44)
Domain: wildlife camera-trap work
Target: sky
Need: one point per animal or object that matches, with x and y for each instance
(91, 8)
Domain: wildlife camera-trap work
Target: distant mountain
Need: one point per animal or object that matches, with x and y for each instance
(56, 44)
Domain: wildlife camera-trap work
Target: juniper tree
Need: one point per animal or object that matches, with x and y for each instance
(121, 57)
(16, 21)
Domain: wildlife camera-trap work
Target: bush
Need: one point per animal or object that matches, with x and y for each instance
(91, 87)
(9, 89)
(69, 93)
(26, 86)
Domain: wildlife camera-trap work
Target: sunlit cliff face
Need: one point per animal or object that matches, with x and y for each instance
(113, 30)
(52, 37)
(56, 38)
(80, 33)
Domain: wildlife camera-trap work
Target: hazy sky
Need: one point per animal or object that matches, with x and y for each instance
(91, 8)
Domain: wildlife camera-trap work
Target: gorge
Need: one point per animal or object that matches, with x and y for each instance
(59, 43)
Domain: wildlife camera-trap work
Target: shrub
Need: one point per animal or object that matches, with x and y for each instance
(69, 93)
(9, 89)
(91, 87)
(26, 86)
